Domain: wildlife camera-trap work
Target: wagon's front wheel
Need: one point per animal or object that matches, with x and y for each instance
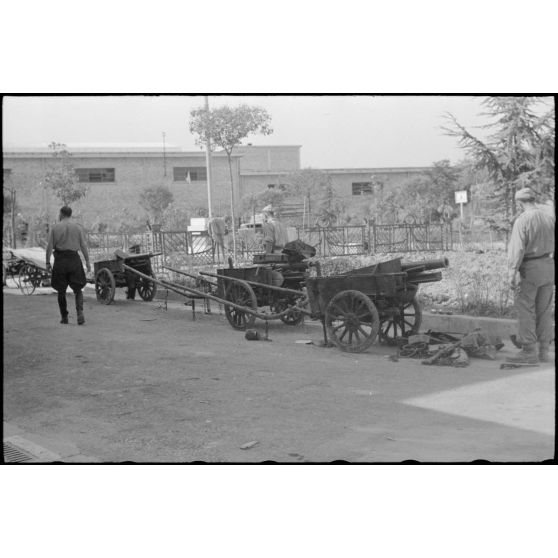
(242, 294)
(403, 322)
(27, 282)
(146, 289)
(352, 321)
(105, 285)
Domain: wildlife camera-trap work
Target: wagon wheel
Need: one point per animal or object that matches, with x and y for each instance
(27, 279)
(105, 285)
(292, 318)
(146, 289)
(406, 321)
(352, 321)
(240, 293)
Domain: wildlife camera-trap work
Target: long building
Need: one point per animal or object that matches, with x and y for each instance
(116, 175)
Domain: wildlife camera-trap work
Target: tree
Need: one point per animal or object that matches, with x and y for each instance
(519, 153)
(62, 178)
(226, 127)
(431, 196)
(155, 200)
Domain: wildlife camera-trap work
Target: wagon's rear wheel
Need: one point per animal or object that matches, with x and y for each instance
(146, 289)
(240, 293)
(105, 285)
(27, 279)
(352, 321)
(404, 321)
(292, 318)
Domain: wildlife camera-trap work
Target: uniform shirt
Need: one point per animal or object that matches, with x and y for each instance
(67, 235)
(532, 235)
(274, 231)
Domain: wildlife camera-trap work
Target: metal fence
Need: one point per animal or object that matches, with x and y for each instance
(376, 239)
(185, 249)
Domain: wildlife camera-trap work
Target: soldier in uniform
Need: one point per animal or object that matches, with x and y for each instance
(531, 275)
(66, 238)
(274, 232)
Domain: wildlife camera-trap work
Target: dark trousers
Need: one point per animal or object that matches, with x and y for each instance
(68, 272)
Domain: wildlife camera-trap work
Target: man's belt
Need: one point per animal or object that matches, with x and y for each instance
(528, 258)
(64, 252)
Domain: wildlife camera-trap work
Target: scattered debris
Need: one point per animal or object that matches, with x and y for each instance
(394, 358)
(249, 445)
(516, 341)
(252, 335)
(304, 341)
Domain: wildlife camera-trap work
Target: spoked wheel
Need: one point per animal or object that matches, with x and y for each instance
(352, 321)
(404, 321)
(292, 318)
(28, 279)
(146, 289)
(105, 285)
(240, 293)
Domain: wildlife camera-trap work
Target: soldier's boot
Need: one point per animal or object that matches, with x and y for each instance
(543, 353)
(79, 308)
(63, 307)
(527, 355)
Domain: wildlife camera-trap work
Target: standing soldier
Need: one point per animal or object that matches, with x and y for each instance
(531, 255)
(66, 238)
(275, 233)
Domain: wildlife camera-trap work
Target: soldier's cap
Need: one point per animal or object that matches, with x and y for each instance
(525, 194)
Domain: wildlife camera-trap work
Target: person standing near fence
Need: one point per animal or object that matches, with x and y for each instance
(531, 275)
(274, 232)
(66, 238)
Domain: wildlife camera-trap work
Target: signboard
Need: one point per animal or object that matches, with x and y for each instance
(461, 196)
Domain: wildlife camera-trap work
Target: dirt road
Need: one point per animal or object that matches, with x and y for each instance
(141, 383)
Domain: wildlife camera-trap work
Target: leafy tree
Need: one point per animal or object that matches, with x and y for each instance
(314, 188)
(61, 176)
(155, 200)
(518, 153)
(226, 128)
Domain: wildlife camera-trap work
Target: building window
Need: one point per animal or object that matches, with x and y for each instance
(189, 174)
(95, 175)
(362, 188)
(281, 187)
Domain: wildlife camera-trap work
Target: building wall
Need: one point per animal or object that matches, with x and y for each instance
(133, 173)
(391, 178)
(254, 167)
(269, 158)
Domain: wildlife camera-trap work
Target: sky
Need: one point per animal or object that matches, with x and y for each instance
(348, 131)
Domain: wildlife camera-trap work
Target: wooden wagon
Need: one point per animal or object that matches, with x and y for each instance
(358, 306)
(125, 270)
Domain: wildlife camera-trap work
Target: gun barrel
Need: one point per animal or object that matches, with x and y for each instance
(426, 264)
(425, 277)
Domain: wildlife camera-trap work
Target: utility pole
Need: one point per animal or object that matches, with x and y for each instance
(208, 161)
(164, 157)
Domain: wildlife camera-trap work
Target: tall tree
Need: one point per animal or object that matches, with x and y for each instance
(61, 176)
(226, 127)
(518, 153)
(155, 200)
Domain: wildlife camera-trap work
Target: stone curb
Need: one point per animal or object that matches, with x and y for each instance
(464, 324)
